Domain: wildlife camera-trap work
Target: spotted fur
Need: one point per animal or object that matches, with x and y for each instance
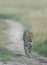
(27, 38)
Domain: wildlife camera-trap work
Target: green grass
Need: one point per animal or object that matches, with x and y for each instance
(4, 52)
(41, 47)
(32, 14)
(7, 55)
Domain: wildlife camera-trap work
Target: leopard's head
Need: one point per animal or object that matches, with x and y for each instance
(30, 36)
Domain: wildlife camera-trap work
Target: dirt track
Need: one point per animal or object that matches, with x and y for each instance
(15, 33)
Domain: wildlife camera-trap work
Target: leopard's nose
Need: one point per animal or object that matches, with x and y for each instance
(30, 40)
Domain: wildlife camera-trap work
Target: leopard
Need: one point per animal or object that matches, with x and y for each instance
(28, 42)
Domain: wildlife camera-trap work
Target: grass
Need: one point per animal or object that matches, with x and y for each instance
(7, 55)
(32, 14)
(4, 53)
(3, 37)
(41, 47)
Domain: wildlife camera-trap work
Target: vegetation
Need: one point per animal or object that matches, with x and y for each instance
(3, 28)
(33, 15)
(5, 53)
(41, 47)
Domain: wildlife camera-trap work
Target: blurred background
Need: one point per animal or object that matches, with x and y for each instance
(32, 14)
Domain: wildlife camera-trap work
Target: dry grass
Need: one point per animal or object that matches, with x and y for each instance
(34, 11)
(3, 28)
(31, 13)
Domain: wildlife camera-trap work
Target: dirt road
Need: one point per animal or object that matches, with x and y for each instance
(15, 33)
